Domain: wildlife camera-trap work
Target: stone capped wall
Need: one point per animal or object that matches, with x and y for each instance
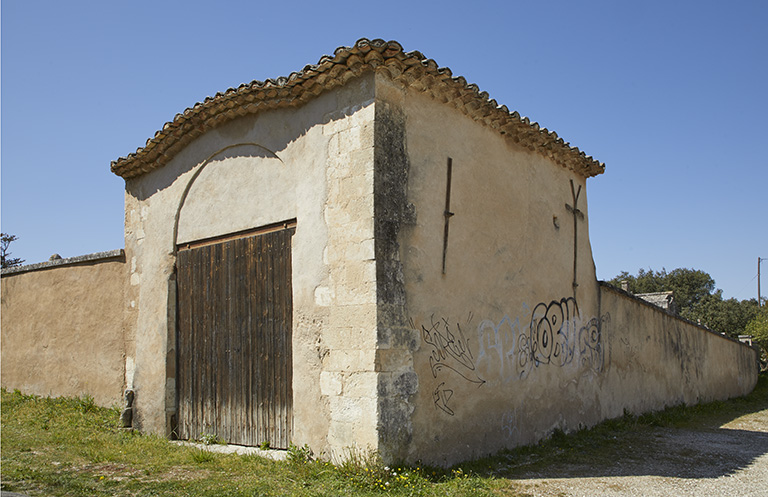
(63, 331)
(659, 360)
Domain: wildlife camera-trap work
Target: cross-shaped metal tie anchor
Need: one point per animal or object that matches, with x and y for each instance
(577, 214)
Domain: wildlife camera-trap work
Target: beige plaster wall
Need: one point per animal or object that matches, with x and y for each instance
(510, 248)
(658, 360)
(504, 348)
(313, 164)
(63, 331)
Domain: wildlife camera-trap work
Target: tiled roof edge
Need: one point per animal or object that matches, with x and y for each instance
(411, 69)
(81, 259)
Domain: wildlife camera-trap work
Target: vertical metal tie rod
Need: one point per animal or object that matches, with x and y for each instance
(447, 214)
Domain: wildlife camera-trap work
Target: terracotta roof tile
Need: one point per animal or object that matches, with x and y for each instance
(411, 69)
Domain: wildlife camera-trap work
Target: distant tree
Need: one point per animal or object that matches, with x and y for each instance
(5, 254)
(758, 328)
(729, 316)
(695, 297)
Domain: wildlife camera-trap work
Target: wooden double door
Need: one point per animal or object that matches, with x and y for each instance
(234, 362)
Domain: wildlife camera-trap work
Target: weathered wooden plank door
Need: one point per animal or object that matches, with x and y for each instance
(234, 364)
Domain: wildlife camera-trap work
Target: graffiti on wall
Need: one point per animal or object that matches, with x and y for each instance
(554, 335)
(550, 334)
(591, 345)
(441, 396)
(509, 424)
(497, 352)
(450, 349)
(450, 358)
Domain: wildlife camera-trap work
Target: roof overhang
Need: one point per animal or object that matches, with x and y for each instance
(411, 69)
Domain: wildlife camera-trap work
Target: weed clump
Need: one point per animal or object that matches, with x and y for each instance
(370, 473)
(210, 439)
(299, 455)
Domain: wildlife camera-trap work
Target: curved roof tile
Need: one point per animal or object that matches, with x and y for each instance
(409, 68)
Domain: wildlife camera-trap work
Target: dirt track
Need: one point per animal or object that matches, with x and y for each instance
(729, 461)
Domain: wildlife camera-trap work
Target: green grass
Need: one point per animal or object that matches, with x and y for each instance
(69, 446)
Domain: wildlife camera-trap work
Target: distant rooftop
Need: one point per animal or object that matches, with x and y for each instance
(665, 300)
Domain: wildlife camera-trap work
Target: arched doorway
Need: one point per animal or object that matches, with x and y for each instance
(234, 299)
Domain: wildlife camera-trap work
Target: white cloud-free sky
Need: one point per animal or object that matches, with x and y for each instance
(671, 95)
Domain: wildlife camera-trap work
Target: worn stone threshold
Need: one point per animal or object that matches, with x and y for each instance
(274, 454)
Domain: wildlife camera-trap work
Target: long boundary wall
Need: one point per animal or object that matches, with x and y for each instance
(63, 329)
(493, 384)
(658, 359)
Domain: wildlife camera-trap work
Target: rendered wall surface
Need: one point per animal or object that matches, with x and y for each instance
(502, 349)
(63, 330)
(314, 164)
(509, 260)
(658, 360)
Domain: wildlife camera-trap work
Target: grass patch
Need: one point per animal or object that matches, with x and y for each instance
(70, 446)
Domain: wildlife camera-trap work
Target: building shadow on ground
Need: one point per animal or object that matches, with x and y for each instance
(664, 452)
(719, 443)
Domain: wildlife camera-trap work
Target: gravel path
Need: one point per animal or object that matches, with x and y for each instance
(731, 461)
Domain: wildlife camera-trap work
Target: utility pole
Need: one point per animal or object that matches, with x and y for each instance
(758, 282)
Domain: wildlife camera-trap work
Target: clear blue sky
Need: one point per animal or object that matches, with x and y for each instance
(672, 96)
